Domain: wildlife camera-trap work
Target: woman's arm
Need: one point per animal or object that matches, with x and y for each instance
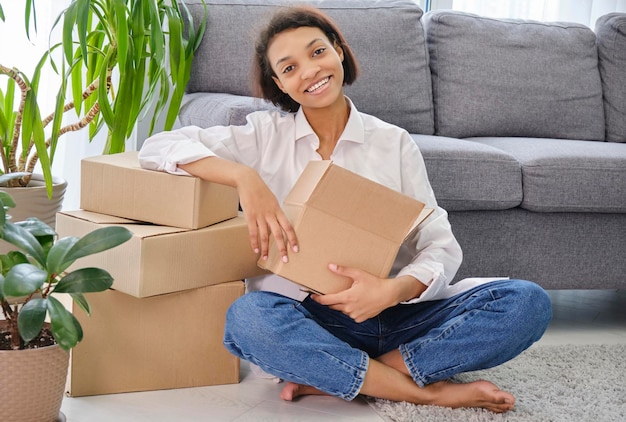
(262, 211)
(227, 155)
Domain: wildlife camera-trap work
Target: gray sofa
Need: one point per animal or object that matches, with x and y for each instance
(522, 124)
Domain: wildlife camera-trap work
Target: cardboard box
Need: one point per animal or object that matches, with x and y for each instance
(161, 342)
(162, 259)
(116, 185)
(345, 219)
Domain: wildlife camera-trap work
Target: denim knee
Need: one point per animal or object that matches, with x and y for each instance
(531, 303)
(249, 319)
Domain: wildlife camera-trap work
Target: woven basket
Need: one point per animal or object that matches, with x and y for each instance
(33, 383)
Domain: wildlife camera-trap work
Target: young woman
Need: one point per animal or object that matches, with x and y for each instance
(400, 338)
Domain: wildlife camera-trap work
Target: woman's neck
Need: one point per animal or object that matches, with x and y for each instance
(328, 123)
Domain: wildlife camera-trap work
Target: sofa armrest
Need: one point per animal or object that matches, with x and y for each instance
(206, 109)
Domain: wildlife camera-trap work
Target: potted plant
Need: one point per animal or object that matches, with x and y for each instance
(118, 61)
(34, 353)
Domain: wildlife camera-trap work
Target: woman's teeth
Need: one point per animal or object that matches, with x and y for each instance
(318, 85)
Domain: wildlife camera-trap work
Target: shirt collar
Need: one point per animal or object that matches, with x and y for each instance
(353, 132)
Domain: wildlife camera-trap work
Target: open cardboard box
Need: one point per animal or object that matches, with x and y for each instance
(117, 185)
(155, 343)
(162, 259)
(345, 219)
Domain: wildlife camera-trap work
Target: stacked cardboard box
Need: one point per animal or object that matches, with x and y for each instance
(161, 325)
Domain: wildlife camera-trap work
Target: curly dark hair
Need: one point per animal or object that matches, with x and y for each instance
(292, 18)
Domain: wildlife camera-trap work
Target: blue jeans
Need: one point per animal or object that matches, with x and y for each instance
(308, 343)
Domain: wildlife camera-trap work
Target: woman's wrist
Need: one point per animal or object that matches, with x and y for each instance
(408, 288)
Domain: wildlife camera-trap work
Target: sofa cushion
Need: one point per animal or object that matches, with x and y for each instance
(394, 84)
(469, 176)
(212, 109)
(504, 77)
(568, 175)
(611, 40)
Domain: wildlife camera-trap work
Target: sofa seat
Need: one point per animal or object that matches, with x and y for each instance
(468, 176)
(560, 175)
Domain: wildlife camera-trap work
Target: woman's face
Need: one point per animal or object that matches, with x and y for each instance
(308, 66)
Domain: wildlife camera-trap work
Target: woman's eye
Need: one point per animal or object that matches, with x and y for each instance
(288, 69)
(319, 51)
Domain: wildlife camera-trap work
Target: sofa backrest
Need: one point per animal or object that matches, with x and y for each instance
(611, 40)
(504, 77)
(386, 37)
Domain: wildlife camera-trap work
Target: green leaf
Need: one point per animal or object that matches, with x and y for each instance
(85, 280)
(40, 230)
(57, 256)
(99, 240)
(31, 318)
(69, 19)
(36, 227)
(81, 300)
(65, 328)
(6, 199)
(11, 259)
(30, 7)
(24, 280)
(24, 240)
(103, 94)
(121, 32)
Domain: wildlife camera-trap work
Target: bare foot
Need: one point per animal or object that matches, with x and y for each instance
(292, 390)
(481, 394)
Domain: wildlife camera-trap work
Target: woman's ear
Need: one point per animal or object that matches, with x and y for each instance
(279, 84)
(339, 50)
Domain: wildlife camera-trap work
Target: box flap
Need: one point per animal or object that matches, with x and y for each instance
(139, 228)
(346, 219)
(356, 200)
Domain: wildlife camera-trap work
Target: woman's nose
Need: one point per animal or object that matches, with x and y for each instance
(310, 72)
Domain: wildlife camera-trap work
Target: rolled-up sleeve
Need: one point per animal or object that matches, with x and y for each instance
(165, 151)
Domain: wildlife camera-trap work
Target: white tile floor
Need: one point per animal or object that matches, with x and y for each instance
(581, 317)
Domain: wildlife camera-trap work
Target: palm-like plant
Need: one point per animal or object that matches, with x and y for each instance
(118, 60)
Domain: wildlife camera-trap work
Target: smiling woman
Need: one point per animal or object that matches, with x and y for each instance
(398, 337)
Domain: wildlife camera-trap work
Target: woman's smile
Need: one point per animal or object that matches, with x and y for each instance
(319, 86)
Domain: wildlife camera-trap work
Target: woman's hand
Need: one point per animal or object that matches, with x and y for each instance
(369, 295)
(261, 210)
(265, 217)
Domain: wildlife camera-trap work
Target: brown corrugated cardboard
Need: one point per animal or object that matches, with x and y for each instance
(116, 185)
(161, 342)
(162, 259)
(345, 219)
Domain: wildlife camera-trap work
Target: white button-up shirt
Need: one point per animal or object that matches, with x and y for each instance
(279, 145)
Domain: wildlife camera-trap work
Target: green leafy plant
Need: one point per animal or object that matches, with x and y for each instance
(119, 61)
(33, 274)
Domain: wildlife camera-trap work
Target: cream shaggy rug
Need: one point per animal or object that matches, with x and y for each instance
(565, 383)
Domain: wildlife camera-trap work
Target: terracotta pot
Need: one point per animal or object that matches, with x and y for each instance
(33, 384)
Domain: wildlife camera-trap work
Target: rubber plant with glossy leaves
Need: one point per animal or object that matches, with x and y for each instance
(34, 274)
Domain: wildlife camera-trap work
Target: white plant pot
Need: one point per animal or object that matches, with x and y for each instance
(33, 201)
